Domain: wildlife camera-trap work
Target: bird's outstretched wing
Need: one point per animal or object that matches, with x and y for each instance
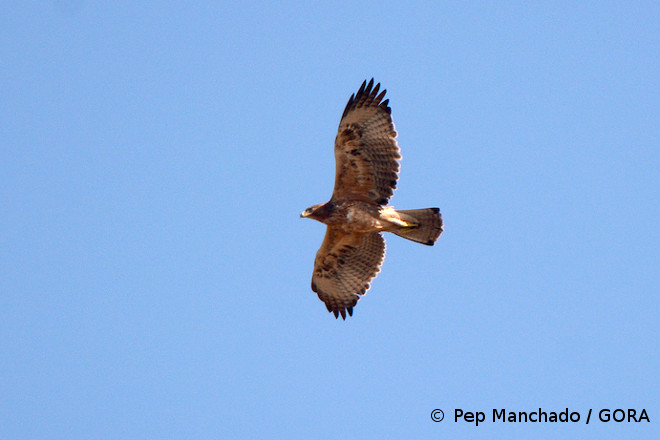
(344, 267)
(366, 152)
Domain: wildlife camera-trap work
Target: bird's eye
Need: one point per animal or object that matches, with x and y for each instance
(308, 210)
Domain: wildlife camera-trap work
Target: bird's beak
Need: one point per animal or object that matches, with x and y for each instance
(303, 215)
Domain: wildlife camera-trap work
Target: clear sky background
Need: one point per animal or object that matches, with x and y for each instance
(155, 274)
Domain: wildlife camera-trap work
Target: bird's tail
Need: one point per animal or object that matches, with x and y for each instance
(423, 225)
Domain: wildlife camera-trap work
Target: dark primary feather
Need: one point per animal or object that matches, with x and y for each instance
(365, 94)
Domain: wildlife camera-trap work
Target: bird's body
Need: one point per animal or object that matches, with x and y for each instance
(367, 167)
(357, 216)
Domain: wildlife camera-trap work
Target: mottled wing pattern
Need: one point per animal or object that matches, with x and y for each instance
(366, 152)
(344, 267)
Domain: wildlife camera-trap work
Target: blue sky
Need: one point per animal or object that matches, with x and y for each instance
(155, 275)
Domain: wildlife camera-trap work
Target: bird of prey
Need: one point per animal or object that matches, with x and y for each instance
(367, 169)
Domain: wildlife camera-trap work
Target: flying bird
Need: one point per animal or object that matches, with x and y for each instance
(367, 168)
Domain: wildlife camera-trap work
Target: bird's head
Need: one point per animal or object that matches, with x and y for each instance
(317, 212)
